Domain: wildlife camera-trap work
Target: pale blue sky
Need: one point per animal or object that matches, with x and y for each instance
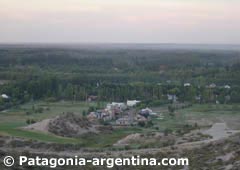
(130, 21)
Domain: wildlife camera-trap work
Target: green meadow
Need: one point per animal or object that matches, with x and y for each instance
(12, 121)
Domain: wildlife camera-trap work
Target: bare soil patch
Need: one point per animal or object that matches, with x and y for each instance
(68, 125)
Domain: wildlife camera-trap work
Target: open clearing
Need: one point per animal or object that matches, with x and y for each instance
(12, 121)
(204, 115)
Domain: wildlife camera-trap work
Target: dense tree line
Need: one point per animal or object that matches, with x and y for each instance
(118, 75)
(50, 87)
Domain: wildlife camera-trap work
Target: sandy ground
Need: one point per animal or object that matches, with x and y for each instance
(219, 131)
(67, 125)
(39, 126)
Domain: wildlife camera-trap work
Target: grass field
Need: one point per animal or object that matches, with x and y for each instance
(203, 115)
(12, 120)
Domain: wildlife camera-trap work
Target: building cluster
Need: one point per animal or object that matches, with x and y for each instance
(121, 114)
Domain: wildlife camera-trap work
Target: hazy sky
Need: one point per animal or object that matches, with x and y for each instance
(130, 21)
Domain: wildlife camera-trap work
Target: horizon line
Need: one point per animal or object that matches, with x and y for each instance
(114, 43)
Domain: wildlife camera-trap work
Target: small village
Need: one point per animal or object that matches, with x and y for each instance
(127, 114)
(111, 102)
(122, 114)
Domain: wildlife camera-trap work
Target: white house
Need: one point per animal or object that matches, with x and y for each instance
(187, 85)
(213, 85)
(172, 97)
(120, 106)
(147, 110)
(227, 87)
(4, 96)
(132, 103)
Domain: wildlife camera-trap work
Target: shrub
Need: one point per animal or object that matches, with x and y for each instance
(171, 109)
(149, 124)
(141, 124)
(30, 121)
(39, 110)
(167, 131)
(51, 99)
(28, 113)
